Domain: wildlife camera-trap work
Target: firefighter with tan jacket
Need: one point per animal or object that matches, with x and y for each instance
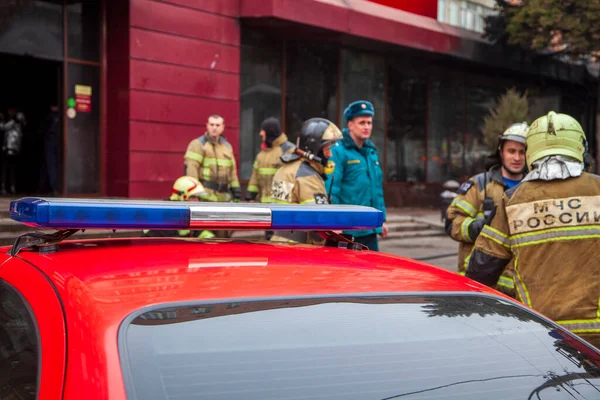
(549, 226)
(301, 178)
(471, 208)
(274, 144)
(210, 159)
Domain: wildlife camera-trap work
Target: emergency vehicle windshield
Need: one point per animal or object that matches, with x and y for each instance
(364, 347)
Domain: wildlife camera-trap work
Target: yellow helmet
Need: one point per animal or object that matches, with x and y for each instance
(516, 133)
(186, 187)
(555, 134)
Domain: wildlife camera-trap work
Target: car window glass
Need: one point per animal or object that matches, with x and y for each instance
(18, 347)
(399, 347)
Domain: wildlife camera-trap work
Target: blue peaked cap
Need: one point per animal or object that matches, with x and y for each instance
(359, 108)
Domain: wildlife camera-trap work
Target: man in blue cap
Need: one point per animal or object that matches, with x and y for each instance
(357, 178)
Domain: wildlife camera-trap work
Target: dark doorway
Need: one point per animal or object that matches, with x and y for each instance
(33, 85)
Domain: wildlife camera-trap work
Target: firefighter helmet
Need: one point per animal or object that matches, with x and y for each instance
(555, 134)
(186, 187)
(316, 133)
(516, 133)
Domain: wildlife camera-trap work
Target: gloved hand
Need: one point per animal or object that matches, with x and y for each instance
(477, 225)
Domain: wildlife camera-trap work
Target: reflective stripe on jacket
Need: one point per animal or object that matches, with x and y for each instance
(212, 162)
(551, 230)
(267, 163)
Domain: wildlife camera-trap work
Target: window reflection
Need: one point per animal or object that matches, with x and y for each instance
(405, 150)
(363, 78)
(446, 128)
(83, 138)
(260, 97)
(411, 347)
(479, 101)
(33, 28)
(83, 24)
(311, 84)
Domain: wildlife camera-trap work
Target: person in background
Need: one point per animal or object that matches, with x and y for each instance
(354, 175)
(185, 188)
(50, 133)
(547, 226)
(274, 144)
(301, 178)
(12, 144)
(471, 208)
(210, 159)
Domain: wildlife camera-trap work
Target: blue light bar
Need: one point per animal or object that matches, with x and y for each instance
(60, 213)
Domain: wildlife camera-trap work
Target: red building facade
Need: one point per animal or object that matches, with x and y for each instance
(164, 66)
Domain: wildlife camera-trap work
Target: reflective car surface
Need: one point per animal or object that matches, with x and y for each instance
(186, 319)
(354, 347)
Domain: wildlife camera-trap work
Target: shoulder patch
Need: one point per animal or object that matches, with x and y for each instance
(465, 186)
(482, 180)
(285, 146)
(321, 198)
(306, 170)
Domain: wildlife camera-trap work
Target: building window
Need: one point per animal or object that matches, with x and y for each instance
(407, 113)
(311, 84)
(446, 128)
(363, 78)
(465, 14)
(83, 22)
(260, 97)
(33, 28)
(478, 103)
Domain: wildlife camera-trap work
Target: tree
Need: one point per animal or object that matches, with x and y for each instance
(570, 27)
(510, 108)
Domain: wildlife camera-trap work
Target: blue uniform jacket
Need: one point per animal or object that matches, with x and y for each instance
(357, 178)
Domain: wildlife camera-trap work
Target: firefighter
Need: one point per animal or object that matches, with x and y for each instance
(301, 178)
(185, 188)
(549, 226)
(210, 159)
(470, 210)
(268, 161)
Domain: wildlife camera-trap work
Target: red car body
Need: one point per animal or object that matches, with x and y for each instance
(81, 293)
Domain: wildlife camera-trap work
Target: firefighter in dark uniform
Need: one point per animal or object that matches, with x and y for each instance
(549, 227)
(301, 178)
(185, 188)
(471, 208)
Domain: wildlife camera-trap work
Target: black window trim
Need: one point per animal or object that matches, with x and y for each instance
(38, 338)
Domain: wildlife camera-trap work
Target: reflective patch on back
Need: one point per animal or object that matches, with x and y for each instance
(282, 191)
(553, 213)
